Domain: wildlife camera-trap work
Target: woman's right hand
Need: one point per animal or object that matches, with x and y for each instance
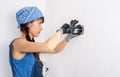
(68, 28)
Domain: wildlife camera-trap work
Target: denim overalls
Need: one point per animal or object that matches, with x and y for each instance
(22, 67)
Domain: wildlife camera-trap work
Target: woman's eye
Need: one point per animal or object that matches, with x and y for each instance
(39, 23)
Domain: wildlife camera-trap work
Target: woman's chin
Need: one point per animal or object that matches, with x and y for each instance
(36, 35)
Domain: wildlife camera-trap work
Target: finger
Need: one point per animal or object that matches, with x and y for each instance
(80, 29)
(79, 26)
(74, 23)
(67, 25)
(71, 22)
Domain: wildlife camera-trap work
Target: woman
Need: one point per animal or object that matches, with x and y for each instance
(24, 48)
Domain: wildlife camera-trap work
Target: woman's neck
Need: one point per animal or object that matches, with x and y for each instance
(23, 35)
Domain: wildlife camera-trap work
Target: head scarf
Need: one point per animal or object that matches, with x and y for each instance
(28, 14)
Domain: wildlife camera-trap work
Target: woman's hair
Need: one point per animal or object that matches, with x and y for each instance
(24, 28)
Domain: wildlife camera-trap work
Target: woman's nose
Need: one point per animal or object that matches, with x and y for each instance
(41, 27)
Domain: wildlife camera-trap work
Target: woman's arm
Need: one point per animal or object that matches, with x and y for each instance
(49, 46)
(60, 46)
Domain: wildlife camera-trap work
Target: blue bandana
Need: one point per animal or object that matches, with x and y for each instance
(28, 14)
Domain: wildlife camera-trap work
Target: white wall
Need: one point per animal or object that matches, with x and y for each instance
(8, 28)
(97, 52)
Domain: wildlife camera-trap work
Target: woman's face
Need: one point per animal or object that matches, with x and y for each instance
(35, 27)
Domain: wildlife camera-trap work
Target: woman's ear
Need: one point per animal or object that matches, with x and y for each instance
(29, 25)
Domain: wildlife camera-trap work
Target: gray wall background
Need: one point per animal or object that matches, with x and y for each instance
(97, 52)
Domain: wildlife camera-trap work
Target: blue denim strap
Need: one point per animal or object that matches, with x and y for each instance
(10, 56)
